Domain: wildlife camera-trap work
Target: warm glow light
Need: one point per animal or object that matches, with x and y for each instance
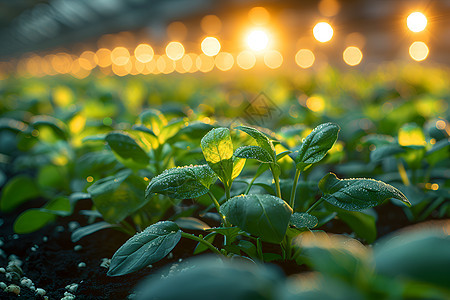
(304, 58)
(259, 15)
(144, 53)
(440, 124)
(103, 57)
(189, 62)
(323, 32)
(224, 61)
(175, 50)
(411, 135)
(177, 31)
(273, 59)
(257, 40)
(120, 56)
(416, 22)
(122, 70)
(352, 56)
(211, 24)
(210, 46)
(315, 103)
(329, 8)
(246, 60)
(418, 51)
(77, 71)
(204, 63)
(88, 60)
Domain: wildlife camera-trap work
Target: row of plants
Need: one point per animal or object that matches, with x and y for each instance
(247, 192)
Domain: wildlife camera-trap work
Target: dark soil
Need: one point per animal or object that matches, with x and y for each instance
(50, 261)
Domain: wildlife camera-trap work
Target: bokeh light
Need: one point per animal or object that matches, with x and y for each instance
(144, 53)
(315, 103)
(323, 32)
(120, 56)
(352, 56)
(418, 51)
(273, 59)
(246, 60)
(210, 46)
(204, 63)
(176, 31)
(257, 39)
(329, 8)
(211, 24)
(103, 57)
(416, 22)
(259, 16)
(304, 58)
(175, 50)
(224, 61)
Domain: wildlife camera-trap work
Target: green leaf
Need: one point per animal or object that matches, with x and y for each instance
(58, 126)
(359, 193)
(126, 147)
(217, 148)
(145, 248)
(36, 218)
(18, 190)
(182, 182)
(13, 125)
(154, 120)
(264, 216)
(191, 223)
(118, 196)
(238, 165)
(362, 224)
(385, 151)
(81, 232)
(212, 278)
(254, 152)
(421, 255)
(301, 220)
(262, 140)
(316, 145)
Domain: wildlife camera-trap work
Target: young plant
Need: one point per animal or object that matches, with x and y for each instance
(246, 220)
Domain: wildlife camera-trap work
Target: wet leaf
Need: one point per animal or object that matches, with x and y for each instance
(262, 140)
(81, 232)
(16, 191)
(254, 152)
(217, 148)
(301, 220)
(357, 194)
(126, 147)
(145, 248)
(316, 145)
(182, 182)
(264, 216)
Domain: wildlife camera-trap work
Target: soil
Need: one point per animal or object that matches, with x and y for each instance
(52, 263)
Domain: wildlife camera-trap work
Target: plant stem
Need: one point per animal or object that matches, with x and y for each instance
(403, 174)
(294, 188)
(200, 240)
(250, 185)
(315, 205)
(227, 191)
(276, 179)
(214, 200)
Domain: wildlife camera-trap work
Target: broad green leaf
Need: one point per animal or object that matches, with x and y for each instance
(385, 151)
(118, 196)
(143, 129)
(378, 140)
(213, 278)
(254, 152)
(362, 224)
(301, 220)
(264, 216)
(36, 218)
(13, 125)
(262, 140)
(126, 147)
(421, 255)
(194, 130)
(182, 182)
(439, 152)
(81, 232)
(238, 165)
(58, 126)
(357, 194)
(154, 120)
(217, 148)
(145, 248)
(316, 145)
(18, 190)
(191, 223)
